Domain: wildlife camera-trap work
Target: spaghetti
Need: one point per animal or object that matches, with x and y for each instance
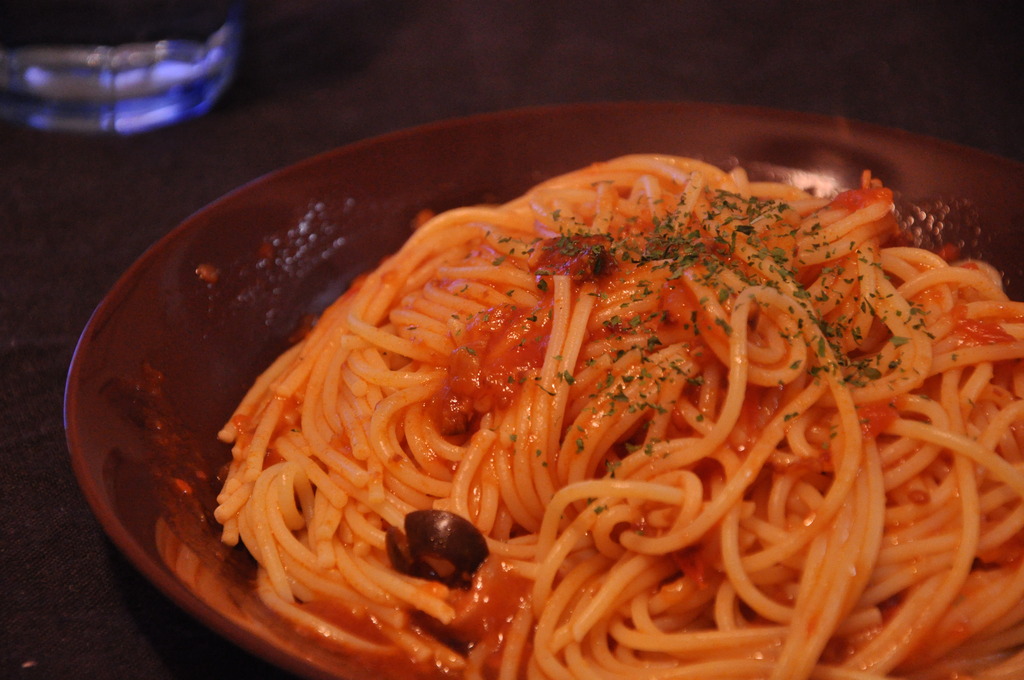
(708, 428)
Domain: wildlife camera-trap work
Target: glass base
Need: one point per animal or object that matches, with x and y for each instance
(123, 89)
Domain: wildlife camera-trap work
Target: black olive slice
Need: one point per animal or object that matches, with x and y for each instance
(437, 545)
(398, 550)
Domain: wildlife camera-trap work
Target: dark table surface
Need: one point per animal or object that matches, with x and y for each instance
(76, 211)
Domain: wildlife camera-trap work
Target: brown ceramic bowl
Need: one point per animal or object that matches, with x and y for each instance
(171, 350)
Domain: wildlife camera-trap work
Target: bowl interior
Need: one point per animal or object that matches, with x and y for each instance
(173, 347)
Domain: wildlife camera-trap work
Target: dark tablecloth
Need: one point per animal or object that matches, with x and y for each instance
(76, 211)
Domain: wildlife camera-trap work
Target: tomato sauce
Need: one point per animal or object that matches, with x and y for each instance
(485, 610)
(483, 613)
(692, 562)
(246, 428)
(345, 617)
(685, 314)
(855, 199)
(876, 416)
(977, 332)
(1010, 552)
(950, 252)
(500, 348)
(581, 257)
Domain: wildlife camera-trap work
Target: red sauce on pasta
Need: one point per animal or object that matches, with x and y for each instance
(581, 257)
(486, 609)
(875, 417)
(497, 350)
(977, 332)
(855, 199)
(685, 314)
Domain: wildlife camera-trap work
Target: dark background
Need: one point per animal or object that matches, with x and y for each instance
(76, 211)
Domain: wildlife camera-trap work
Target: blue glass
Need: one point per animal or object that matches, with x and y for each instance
(144, 83)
